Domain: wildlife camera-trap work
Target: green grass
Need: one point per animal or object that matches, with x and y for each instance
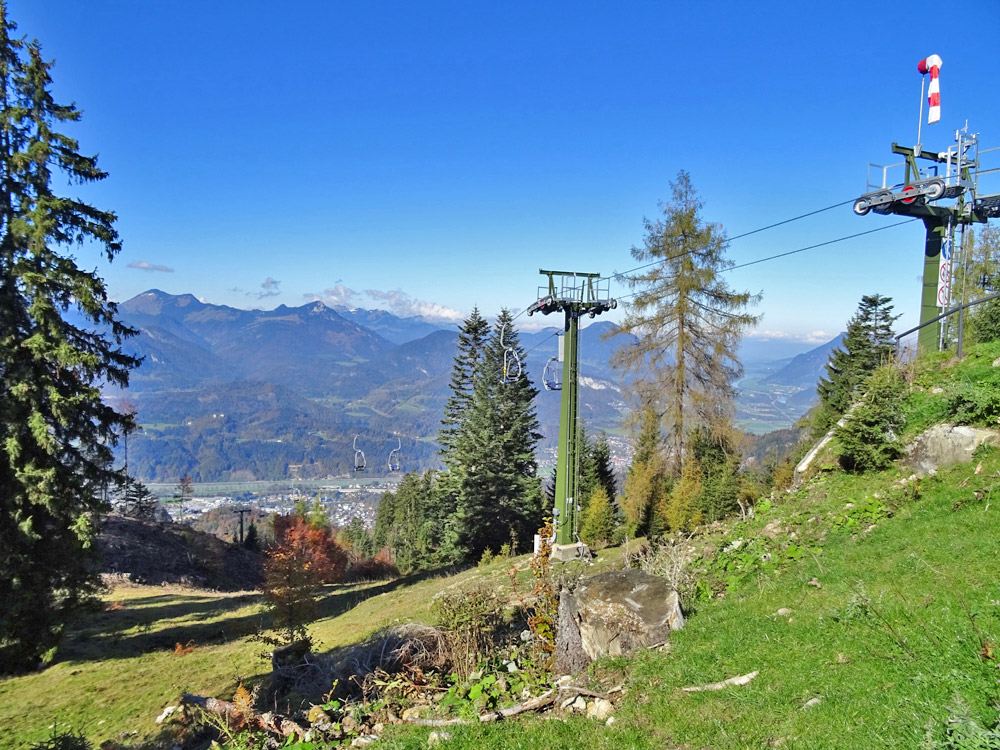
(896, 641)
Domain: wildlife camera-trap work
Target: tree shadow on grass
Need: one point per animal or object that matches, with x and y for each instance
(132, 631)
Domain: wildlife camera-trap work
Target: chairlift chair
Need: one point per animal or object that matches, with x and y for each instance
(393, 462)
(550, 379)
(359, 456)
(511, 362)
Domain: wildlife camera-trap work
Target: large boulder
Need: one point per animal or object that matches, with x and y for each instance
(947, 444)
(614, 613)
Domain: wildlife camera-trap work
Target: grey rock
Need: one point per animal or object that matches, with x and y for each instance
(614, 613)
(947, 444)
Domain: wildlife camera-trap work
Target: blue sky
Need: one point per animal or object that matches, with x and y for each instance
(427, 157)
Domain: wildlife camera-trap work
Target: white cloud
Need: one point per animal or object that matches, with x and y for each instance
(402, 304)
(146, 266)
(269, 288)
(338, 295)
(818, 337)
(812, 337)
(768, 335)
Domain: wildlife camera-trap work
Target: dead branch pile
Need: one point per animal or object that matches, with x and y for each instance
(409, 650)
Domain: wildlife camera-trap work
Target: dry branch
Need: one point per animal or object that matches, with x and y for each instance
(533, 704)
(742, 679)
(583, 691)
(270, 722)
(542, 701)
(435, 722)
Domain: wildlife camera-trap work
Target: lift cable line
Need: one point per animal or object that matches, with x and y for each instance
(787, 253)
(618, 275)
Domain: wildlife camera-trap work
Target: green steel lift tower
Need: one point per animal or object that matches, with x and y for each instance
(952, 174)
(575, 294)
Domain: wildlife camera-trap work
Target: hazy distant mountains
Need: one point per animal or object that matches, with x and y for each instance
(234, 394)
(805, 369)
(230, 394)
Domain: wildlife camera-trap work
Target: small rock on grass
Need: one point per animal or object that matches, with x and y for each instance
(436, 738)
(579, 704)
(812, 702)
(783, 612)
(599, 709)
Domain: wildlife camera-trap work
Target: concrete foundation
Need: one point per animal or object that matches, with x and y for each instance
(568, 552)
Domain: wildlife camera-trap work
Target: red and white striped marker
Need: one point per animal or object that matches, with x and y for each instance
(932, 65)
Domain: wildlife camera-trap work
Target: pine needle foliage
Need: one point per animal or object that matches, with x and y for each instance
(868, 344)
(869, 438)
(499, 494)
(56, 433)
(686, 321)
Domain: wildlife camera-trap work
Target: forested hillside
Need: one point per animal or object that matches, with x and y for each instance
(230, 394)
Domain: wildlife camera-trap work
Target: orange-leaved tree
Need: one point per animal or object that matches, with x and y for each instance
(302, 559)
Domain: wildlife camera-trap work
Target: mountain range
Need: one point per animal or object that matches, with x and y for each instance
(231, 394)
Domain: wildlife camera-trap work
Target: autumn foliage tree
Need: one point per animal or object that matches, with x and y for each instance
(302, 559)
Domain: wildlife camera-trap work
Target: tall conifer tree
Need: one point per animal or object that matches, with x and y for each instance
(55, 431)
(500, 492)
(472, 338)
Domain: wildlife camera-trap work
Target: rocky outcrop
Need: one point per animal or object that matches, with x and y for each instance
(614, 613)
(947, 444)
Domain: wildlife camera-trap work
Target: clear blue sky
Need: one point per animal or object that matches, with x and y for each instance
(439, 153)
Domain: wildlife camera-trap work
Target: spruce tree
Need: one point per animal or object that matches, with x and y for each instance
(443, 509)
(500, 494)
(56, 433)
(472, 338)
(596, 470)
(251, 540)
(868, 344)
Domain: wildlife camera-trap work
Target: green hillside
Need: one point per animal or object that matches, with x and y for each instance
(868, 606)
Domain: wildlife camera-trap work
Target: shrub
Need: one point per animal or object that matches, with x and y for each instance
(471, 617)
(985, 322)
(302, 560)
(869, 439)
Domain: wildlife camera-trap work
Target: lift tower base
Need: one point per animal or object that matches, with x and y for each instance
(570, 552)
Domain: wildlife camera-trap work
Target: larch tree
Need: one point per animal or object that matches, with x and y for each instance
(686, 321)
(56, 432)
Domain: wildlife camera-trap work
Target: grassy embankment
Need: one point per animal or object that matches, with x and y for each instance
(895, 613)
